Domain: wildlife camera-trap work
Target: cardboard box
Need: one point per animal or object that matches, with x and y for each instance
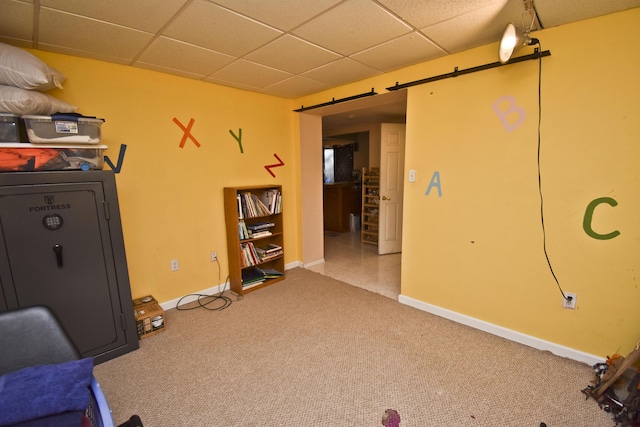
(150, 318)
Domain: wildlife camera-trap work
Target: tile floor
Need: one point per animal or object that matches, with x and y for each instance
(347, 259)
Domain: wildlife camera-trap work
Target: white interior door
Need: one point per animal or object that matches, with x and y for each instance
(391, 187)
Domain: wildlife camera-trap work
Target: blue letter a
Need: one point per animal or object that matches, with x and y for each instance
(435, 182)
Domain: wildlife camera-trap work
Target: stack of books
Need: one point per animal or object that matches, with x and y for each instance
(269, 252)
(260, 229)
(252, 277)
(253, 231)
(255, 276)
(252, 255)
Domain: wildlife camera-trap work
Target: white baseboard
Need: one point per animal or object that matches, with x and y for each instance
(312, 263)
(294, 264)
(528, 340)
(194, 297)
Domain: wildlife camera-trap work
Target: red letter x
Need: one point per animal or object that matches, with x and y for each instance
(187, 132)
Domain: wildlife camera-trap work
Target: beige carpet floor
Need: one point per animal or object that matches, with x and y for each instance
(313, 351)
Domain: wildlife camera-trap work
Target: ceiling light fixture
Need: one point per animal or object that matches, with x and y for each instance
(514, 38)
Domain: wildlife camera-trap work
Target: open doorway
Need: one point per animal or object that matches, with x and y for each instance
(343, 256)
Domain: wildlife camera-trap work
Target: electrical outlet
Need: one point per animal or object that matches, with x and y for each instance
(572, 300)
(174, 265)
(214, 256)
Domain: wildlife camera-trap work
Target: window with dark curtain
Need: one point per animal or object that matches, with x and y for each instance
(343, 162)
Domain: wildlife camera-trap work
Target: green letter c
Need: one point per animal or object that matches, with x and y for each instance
(588, 218)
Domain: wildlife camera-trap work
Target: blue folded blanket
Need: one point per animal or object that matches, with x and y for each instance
(45, 390)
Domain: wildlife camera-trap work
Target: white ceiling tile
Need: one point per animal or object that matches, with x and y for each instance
(289, 53)
(352, 26)
(16, 20)
(210, 26)
(237, 85)
(342, 71)
(249, 74)
(89, 35)
(481, 26)
(167, 70)
(403, 51)
(156, 13)
(424, 13)
(281, 14)
(268, 45)
(174, 55)
(295, 86)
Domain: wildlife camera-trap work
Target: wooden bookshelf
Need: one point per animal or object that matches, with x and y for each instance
(370, 206)
(247, 245)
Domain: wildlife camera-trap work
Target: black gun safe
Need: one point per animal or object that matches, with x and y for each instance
(61, 246)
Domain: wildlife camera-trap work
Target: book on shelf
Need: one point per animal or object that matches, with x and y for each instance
(269, 252)
(260, 229)
(277, 206)
(256, 275)
(260, 226)
(256, 234)
(252, 231)
(243, 233)
(252, 206)
(246, 286)
(249, 256)
(273, 200)
(271, 273)
(269, 257)
(252, 277)
(270, 248)
(240, 209)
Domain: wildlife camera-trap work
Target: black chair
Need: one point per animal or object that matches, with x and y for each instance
(33, 336)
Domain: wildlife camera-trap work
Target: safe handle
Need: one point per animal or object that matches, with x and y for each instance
(57, 248)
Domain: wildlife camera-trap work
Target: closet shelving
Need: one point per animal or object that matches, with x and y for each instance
(370, 205)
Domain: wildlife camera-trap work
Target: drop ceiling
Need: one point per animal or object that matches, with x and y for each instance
(286, 48)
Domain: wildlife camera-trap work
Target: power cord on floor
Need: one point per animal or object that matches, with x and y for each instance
(203, 303)
(204, 300)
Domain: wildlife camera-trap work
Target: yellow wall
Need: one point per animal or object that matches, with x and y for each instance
(478, 250)
(171, 197)
(479, 247)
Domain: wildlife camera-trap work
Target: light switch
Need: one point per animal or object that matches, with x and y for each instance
(412, 175)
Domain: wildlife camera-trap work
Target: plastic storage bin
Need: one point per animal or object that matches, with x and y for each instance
(30, 158)
(12, 128)
(63, 129)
